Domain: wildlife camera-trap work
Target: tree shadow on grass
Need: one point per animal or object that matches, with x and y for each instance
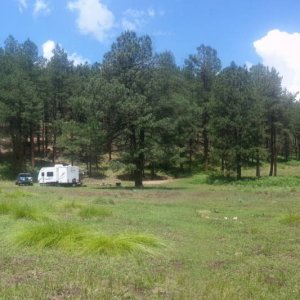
(132, 188)
(224, 180)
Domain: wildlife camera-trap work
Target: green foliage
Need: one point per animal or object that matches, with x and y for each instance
(142, 111)
(73, 140)
(8, 170)
(233, 123)
(21, 109)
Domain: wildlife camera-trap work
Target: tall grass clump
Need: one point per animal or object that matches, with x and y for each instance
(19, 210)
(55, 235)
(75, 238)
(104, 201)
(124, 243)
(94, 212)
(291, 219)
(5, 207)
(198, 179)
(26, 211)
(18, 194)
(72, 205)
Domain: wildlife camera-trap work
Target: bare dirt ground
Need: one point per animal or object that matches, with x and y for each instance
(157, 182)
(113, 181)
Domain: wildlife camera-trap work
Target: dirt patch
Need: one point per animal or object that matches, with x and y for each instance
(157, 182)
(66, 292)
(31, 275)
(218, 264)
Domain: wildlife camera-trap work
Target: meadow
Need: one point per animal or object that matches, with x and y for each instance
(200, 237)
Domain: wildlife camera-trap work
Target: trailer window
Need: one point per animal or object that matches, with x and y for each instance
(49, 174)
(43, 174)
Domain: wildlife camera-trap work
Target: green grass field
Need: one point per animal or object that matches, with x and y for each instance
(194, 238)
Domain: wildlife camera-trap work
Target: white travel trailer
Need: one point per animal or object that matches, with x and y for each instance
(59, 175)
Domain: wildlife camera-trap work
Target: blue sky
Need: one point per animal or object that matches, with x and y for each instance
(246, 31)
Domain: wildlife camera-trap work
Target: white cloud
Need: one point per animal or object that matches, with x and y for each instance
(41, 7)
(22, 5)
(135, 19)
(281, 50)
(50, 45)
(151, 12)
(248, 64)
(94, 18)
(78, 59)
(48, 48)
(129, 25)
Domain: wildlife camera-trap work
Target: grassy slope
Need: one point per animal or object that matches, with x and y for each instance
(220, 241)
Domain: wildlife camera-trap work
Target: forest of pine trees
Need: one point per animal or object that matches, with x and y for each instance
(139, 108)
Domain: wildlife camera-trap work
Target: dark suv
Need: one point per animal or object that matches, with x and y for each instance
(24, 179)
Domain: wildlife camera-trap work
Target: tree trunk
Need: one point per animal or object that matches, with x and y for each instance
(139, 160)
(138, 178)
(190, 154)
(272, 151)
(206, 149)
(138, 174)
(257, 164)
(32, 147)
(16, 134)
(153, 170)
(222, 164)
(275, 152)
(39, 143)
(54, 149)
(238, 166)
(109, 150)
(46, 142)
(90, 162)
